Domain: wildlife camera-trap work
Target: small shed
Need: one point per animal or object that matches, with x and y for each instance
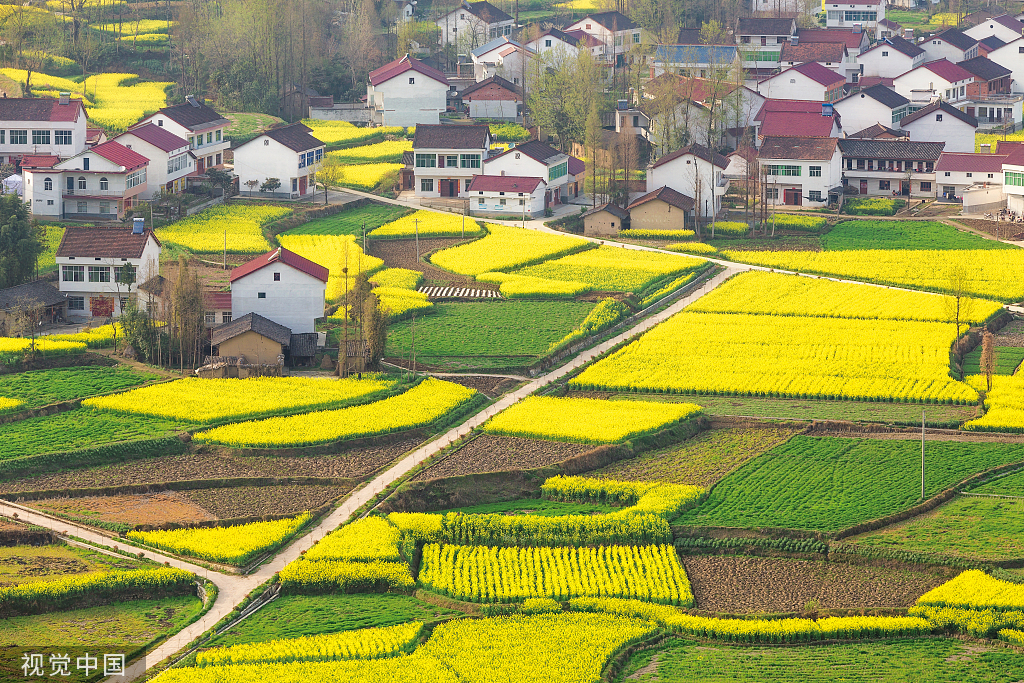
(663, 209)
(40, 299)
(302, 348)
(258, 339)
(604, 221)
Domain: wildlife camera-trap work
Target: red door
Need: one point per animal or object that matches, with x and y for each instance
(792, 196)
(200, 166)
(302, 185)
(863, 187)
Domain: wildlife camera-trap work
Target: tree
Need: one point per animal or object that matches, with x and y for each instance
(988, 356)
(221, 179)
(592, 148)
(19, 242)
(139, 332)
(188, 313)
(375, 327)
(329, 175)
(125, 278)
(252, 184)
(959, 305)
(270, 185)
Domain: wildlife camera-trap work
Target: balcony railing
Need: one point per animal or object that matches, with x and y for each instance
(69, 192)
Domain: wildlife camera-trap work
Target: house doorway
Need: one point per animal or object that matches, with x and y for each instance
(863, 187)
(792, 197)
(905, 188)
(448, 188)
(302, 185)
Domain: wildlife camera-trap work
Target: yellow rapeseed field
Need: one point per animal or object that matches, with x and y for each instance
(1004, 405)
(204, 232)
(614, 269)
(336, 253)
(368, 539)
(234, 545)
(429, 224)
(504, 248)
(974, 589)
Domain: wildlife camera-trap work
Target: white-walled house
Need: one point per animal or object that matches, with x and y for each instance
(832, 56)
(615, 30)
(955, 172)
(694, 171)
(800, 171)
(1011, 56)
(877, 104)
(890, 58)
(201, 125)
(555, 46)
(884, 167)
(472, 24)
(406, 92)
(494, 98)
(35, 126)
(940, 121)
(169, 158)
(1004, 27)
(505, 195)
(281, 286)
(89, 263)
(1013, 176)
(940, 78)
(864, 15)
(446, 157)
(809, 81)
(99, 184)
(761, 40)
(951, 44)
(540, 160)
(288, 153)
(500, 57)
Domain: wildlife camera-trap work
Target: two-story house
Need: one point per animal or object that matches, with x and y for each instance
(990, 79)
(951, 44)
(406, 92)
(890, 58)
(1013, 176)
(198, 123)
(89, 263)
(34, 126)
(940, 78)
(863, 15)
(535, 159)
(288, 153)
(168, 154)
(760, 41)
(809, 81)
(472, 24)
(885, 167)
(99, 184)
(942, 121)
(800, 171)
(280, 286)
(700, 61)
(696, 172)
(1003, 27)
(877, 104)
(1011, 55)
(955, 172)
(615, 30)
(857, 42)
(500, 57)
(555, 46)
(832, 56)
(797, 118)
(446, 157)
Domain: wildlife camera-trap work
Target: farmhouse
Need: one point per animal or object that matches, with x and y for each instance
(860, 15)
(46, 126)
(942, 121)
(877, 104)
(500, 57)
(447, 157)
(693, 171)
(540, 160)
(507, 194)
(198, 123)
(406, 92)
(940, 78)
(282, 286)
(168, 154)
(808, 81)
(473, 23)
(884, 167)
(890, 57)
(289, 154)
(614, 30)
(801, 171)
(955, 172)
(28, 304)
(257, 339)
(663, 209)
(952, 45)
(604, 221)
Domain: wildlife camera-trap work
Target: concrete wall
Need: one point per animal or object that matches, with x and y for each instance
(601, 224)
(255, 347)
(409, 104)
(984, 199)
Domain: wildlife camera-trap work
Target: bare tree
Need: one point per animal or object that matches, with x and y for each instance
(959, 306)
(988, 356)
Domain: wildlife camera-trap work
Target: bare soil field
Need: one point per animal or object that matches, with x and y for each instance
(402, 254)
(740, 585)
(491, 387)
(354, 463)
(1011, 335)
(251, 501)
(147, 508)
(488, 453)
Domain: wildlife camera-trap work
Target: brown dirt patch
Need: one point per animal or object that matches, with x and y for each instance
(253, 501)
(491, 387)
(358, 462)
(488, 453)
(402, 254)
(739, 585)
(147, 508)
(43, 566)
(1000, 229)
(1011, 335)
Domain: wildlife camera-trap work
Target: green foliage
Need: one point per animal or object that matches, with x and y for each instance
(49, 237)
(1009, 485)
(872, 206)
(788, 221)
(94, 456)
(1008, 359)
(350, 222)
(43, 387)
(860, 235)
(833, 483)
(605, 314)
(19, 242)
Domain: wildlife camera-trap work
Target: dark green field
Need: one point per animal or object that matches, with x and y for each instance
(1008, 359)
(43, 387)
(351, 221)
(79, 428)
(1010, 485)
(877, 234)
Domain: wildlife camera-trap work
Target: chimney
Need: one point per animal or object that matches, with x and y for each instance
(986, 148)
(138, 226)
(65, 98)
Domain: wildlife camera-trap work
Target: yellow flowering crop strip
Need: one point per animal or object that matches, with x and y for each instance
(336, 253)
(13, 348)
(418, 525)
(980, 623)
(368, 539)
(664, 500)
(413, 668)
(204, 401)
(402, 278)
(698, 248)
(802, 357)
(625, 527)
(401, 303)
(365, 643)
(974, 589)
(994, 275)
(779, 294)
(482, 574)
(337, 132)
(607, 313)
(657, 234)
(790, 221)
(586, 420)
(367, 176)
(517, 286)
(615, 269)
(732, 228)
(505, 248)
(129, 28)
(234, 545)
(1012, 636)
(204, 232)
(429, 224)
(1004, 405)
(304, 576)
(387, 151)
(95, 338)
(9, 404)
(667, 289)
(63, 593)
(425, 403)
(540, 606)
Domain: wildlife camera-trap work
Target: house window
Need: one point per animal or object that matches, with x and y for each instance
(1020, 50)
(467, 183)
(218, 136)
(989, 175)
(451, 161)
(135, 179)
(885, 53)
(62, 137)
(85, 163)
(783, 170)
(501, 202)
(938, 117)
(295, 184)
(40, 137)
(118, 269)
(210, 318)
(426, 161)
(104, 184)
(558, 171)
(277, 277)
(947, 174)
(3, 135)
(225, 317)
(192, 142)
(76, 303)
(772, 193)
(636, 38)
(19, 137)
(814, 195)
(547, 43)
(209, 138)
(412, 80)
(104, 207)
(815, 172)
(83, 207)
(98, 273)
(47, 183)
(73, 273)
(49, 202)
(160, 123)
(481, 201)
(469, 160)
(636, 121)
(926, 186)
(883, 184)
(261, 295)
(319, 153)
(426, 184)
(970, 175)
(81, 182)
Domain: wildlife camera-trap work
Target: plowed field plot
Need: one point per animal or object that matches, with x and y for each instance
(27, 564)
(1011, 335)
(147, 508)
(700, 461)
(740, 585)
(402, 254)
(353, 463)
(492, 387)
(251, 501)
(488, 453)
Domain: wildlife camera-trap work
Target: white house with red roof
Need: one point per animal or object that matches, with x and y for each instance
(201, 125)
(99, 184)
(406, 92)
(33, 126)
(809, 81)
(801, 171)
(535, 159)
(281, 286)
(168, 154)
(940, 78)
(955, 172)
(863, 15)
(504, 195)
(796, 118)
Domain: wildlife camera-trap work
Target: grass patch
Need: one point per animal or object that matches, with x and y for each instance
(535, 506)
(351, 222)
(982, 529)
(80, 428)
(43, 387)
(1008, 359)
(246, 126)
(21, 564)
(293, 616)
(858, 235)
(50, 238)
(829, 484)
(1010, 485)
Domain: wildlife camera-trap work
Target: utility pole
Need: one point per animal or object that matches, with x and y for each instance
(225, 247)
(417, 223)
(922, 455)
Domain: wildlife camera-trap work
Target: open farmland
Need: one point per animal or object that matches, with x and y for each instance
(204, 232)
(615, 269)
(22, 564)
(43, 387)
(490, 453)
(336, 253)
(351, 221)
(829, 483)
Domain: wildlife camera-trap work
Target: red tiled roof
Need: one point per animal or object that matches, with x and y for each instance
(817, 72)
(217, 301)
(832, 35)
(943, 68)
(39, 160)
(39, 109)
(584, 37)
(791, 106)
(964, 161)
(813, 52)
(804, 148)
(1014, 152)
(503, 183)
(119, 154)
(161, 138)
(104, 242)
(796, 125)
(281, 255)
(868, 81)
(695, 89)
(400, 66)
